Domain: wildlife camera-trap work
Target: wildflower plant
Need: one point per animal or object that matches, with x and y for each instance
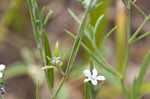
(111, 75)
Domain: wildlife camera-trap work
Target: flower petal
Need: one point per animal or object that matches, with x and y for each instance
(87, 73)
(86, 80)
(2, 67)
(1, 74)
(100, 78)
(94, 71)
(94, 82)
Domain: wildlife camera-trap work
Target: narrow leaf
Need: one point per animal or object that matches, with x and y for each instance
(49, 72)
(42, 13)
(138, 82)
(97, 25)
(74, 16)
(47, 18)
(108, 34)
(56, 52)
(96, 58)
(141, 37)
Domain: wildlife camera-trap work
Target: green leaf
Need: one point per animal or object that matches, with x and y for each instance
(146, 20)
(94, 16)
(16, 69)
(108, 34)
(74, 16)
(97, 59)
(97, 25)
(138, 82)
(111, 75)
(56, 52)
(49, 72)
(88, 32)
(142, 36)
(47, 18)
(42, 13)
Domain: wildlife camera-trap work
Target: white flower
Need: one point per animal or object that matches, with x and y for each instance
(56, 60)
(92, 76)
(2, 67)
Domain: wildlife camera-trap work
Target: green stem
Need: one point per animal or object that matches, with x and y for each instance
(37, 90)
(128, 19)
(139, 9)
(126, 60)
(74, 49)
(86, 91)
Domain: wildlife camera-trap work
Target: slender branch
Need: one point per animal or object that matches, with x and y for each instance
(139, 29)
(141, 37)
(127, 53)
(139, 9)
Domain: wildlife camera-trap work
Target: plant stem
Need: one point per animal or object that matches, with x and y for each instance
(74, 49)
(86, 91)
(129, 19)
(126, 60)
(37, 89)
